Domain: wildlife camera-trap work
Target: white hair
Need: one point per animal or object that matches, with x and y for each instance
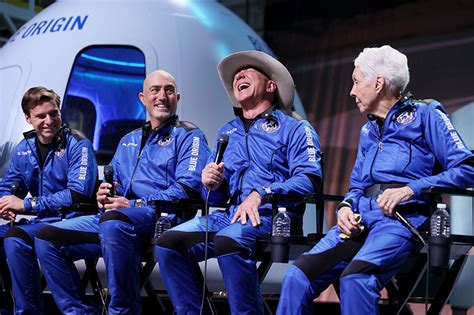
(386, 62)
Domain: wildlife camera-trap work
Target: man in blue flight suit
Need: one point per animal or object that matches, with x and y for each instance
(161, 161)
(399, 148)
(268, 151)
(56, 165)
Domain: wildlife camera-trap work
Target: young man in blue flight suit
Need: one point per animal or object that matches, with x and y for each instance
(268, 151)
(399, 147)
(56, 165)
(161, 161)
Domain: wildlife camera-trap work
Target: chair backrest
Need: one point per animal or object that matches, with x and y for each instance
(113, 130)
(320, 202)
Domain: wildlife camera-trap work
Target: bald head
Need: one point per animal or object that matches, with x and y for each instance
(162, 74)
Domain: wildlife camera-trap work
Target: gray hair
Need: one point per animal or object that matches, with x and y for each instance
(386, 62)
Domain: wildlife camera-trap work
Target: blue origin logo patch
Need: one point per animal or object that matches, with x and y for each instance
(270, 125)
(165, 141)
(406, 117)
(60, 153)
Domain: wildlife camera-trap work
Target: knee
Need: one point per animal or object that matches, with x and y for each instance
(294, 278)
(312, 266)
(49, 234)
(226, 245)
(360, 267)
(16, 237)
(115, 216)
(293, 272)
(359, 273)
(174, 240)
(108, 223)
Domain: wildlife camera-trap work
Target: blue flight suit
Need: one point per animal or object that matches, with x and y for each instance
(68, 175)
(278, 152)
(150, 164)
(405, 149)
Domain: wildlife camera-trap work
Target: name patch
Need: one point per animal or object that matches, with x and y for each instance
(193, 160)
(84, 163)
(310, 142)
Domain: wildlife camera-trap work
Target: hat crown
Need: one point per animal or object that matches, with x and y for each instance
(265, 63)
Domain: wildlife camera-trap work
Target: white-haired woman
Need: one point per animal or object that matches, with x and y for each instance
(399, 147)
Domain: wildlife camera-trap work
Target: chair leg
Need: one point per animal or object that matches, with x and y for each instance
(145, 283)
(394, 298)
(264, 266)
(101, 294)
(92, 277)
(399, 291)
(447, 286)
(262, 270)
(7, 284)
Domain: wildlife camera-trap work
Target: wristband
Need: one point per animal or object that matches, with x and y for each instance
(139, 203)
(267, 190)
(343, 204)
(33, 203)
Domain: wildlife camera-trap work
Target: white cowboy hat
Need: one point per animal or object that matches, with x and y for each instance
(274, 69)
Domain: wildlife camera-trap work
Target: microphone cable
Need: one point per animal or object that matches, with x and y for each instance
(427, 289)
(221, 146)
(415, 232)
(206, 244)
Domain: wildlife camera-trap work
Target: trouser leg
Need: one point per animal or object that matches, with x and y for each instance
(179, 278)
(242, 283)
(24, 269)
(314, 271)
(122, 233)
(235, 245)
(385, 249)
(177, 252)
(57, 246)
(5, 307)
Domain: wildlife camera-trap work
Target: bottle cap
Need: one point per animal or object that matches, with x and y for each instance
(441, 206)
(281, 209)
(164, 214)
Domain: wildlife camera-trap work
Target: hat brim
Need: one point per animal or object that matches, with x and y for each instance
(274, 69)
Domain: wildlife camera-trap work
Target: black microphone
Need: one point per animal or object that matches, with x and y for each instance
(221, 146)
(15, 188)
(109, 178)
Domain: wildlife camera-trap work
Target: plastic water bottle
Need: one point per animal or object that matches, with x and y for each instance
(163, 224)
(440, 222)
(440, 233)
(281, 223)
(281, 236)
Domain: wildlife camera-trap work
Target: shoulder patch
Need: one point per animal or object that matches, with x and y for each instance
(188, 126)
(270, 125)
(406, 116)
(166, 140)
